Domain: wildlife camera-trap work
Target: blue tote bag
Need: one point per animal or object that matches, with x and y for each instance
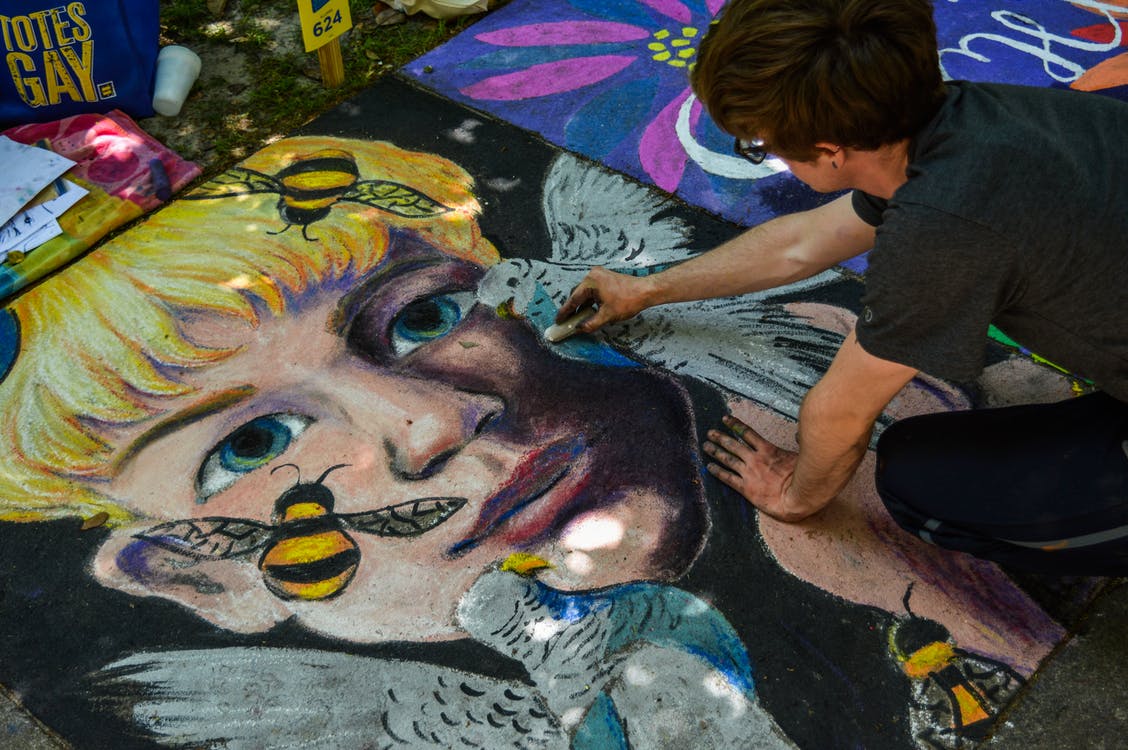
(67, 58)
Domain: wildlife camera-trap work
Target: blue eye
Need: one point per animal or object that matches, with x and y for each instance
(250, 447)
(428, 319)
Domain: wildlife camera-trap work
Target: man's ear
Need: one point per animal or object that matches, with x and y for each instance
(227, 592)
(832, 151)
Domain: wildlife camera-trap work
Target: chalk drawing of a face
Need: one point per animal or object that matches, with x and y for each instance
(413, 391)
(388, 358)
(346, 426)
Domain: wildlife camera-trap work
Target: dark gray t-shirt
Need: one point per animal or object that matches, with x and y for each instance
(1015, 213)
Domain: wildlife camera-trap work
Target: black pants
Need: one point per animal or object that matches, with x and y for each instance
(1040, 487)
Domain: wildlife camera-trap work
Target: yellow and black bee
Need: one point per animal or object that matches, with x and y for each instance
(306, 552)
(956, 694)
(310, 185)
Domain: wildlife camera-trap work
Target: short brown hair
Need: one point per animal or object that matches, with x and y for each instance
(857, 73)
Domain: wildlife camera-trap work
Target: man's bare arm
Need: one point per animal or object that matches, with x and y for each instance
(835, 423)
(780, 251)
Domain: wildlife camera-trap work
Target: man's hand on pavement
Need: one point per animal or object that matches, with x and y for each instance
(754, 467)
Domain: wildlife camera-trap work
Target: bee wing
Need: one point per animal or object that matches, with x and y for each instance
(235, 181)
(405, 519)
(208, 538)
(998, 682)
(395, 199)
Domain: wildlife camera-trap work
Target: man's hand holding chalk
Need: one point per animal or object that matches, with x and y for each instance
(560, 331)
(602, 297)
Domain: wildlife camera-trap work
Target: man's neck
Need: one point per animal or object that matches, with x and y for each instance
(882, 171)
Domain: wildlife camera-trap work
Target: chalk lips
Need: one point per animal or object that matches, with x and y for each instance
(537, 473)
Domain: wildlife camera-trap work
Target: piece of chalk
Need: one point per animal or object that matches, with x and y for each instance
(162, 188)
(560, 331)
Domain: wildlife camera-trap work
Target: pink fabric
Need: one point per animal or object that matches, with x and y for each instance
(113, 157)
(112, 153)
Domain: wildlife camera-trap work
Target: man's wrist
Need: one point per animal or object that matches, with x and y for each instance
(673, 285)
(795, 506)
(655, 290)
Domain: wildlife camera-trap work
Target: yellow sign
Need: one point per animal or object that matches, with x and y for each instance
(323, 21)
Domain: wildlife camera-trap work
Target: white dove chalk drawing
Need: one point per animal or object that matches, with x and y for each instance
(750, 346)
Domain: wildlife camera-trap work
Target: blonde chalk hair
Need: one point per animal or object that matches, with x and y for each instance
(100, 343)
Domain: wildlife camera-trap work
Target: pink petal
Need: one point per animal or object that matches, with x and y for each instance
(671, 8)
(715, 6)
(661, 155)
(563, 32)
(548, 78)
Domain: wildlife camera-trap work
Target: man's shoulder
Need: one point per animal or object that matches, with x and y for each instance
(1021, 160)
(1022, 125)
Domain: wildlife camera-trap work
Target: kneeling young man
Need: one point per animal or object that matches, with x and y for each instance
(983, 204)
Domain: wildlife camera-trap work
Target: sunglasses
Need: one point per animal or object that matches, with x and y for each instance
(754, 151)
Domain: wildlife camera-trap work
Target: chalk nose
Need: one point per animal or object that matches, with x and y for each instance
(427, 441)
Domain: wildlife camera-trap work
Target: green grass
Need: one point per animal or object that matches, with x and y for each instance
(284, 89)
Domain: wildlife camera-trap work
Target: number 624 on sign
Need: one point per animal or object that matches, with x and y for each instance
(323, 21)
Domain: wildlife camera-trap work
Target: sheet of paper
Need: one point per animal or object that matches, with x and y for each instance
(59, 196)
(32, 227)
(27, 170)
(28, 241)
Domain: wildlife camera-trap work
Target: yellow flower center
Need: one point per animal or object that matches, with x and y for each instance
(674, 50)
